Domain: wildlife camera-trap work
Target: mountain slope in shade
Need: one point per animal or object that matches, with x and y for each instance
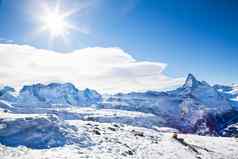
(7, 94)
(187, 108)
(231, 130)
(230, 92)
(40, 132)
(203, 92)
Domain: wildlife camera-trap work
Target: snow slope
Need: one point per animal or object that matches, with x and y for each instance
(234, 96)
(118, 141)
(231, 92)
(231, 130)
(187, 108)
(39, 132)
(138, 119)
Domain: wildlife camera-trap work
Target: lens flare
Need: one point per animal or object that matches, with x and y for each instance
(55, 24)
(55, 21)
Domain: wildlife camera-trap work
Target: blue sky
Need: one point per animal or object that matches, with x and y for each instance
(197, 36)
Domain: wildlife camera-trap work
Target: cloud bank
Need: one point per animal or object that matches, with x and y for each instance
(108, 70)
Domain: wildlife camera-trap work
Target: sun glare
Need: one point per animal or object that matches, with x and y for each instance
(55, 22)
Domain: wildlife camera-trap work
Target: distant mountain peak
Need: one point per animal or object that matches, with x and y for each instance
(57, 94)
(7, 93)
(191, 81)
(8, 89)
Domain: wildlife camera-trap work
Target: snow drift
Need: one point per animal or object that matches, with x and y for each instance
(40, 133)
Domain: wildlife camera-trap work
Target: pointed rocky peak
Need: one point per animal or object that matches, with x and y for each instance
(7, 93)
(191, 81)
(30, 88)
(7, 89)
(90, 93)
(87, 90)
(50, 87)
(67, 85)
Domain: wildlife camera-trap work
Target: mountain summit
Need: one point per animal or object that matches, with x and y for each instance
(7, 93)
(190, 108)
(57, 94)
(191, 81)
(187, 108)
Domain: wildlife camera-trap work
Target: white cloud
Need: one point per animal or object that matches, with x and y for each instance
(4, 40)
(104, 69)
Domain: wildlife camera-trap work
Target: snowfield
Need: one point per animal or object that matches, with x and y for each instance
(40, 132)
(105, 140)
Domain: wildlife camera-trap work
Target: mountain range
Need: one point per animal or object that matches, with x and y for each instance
(195, 107)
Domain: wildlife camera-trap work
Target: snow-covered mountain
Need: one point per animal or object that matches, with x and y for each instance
(231, 130)
(56, 94)
(195, 107)
(53, 121)
(230, 92)
(204, 93)
(190, 108)
(7, 94)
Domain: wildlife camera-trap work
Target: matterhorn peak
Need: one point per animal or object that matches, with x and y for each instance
(191, 81)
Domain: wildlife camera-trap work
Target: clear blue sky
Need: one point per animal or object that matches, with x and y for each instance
(197, 36)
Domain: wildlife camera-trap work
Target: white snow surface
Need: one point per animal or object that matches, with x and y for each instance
(234, 93)
(231, 92)
(111, 115)
(39, 132)
(234, 90)
(121, 141)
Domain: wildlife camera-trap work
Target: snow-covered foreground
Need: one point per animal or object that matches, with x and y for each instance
(107, 140)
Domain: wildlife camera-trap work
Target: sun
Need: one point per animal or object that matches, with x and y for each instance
(55, 24)
(54, 21)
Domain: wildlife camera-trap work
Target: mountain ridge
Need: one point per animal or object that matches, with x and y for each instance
(195, 107)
